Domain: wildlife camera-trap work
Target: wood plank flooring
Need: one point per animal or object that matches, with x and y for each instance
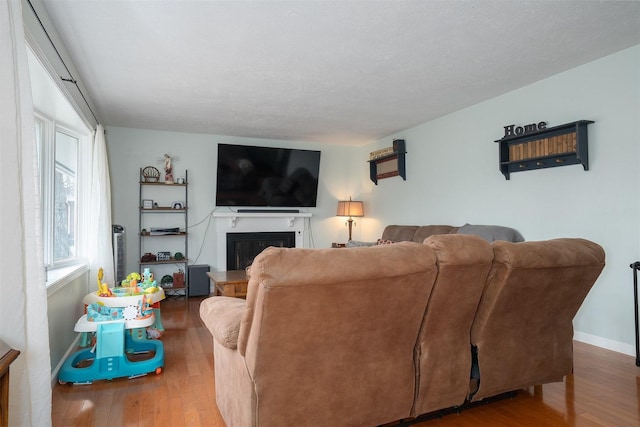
(603, 391)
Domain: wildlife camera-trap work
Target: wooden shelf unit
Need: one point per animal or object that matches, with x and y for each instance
(555, 146)
(168, 190)
(390, 165)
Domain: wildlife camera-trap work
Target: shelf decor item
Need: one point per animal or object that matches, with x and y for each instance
(166, 281)
(168, 170)
(148, 257)
(150, 174)
(178, 279)
(147, 204)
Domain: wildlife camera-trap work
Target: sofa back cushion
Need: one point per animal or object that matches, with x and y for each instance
(328, 334)
(443, 351)
(414, 233)
(523, 329)
(491, 233)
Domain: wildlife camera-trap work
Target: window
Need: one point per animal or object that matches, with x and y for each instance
(59, 150)
(63, 142)
(64, 197)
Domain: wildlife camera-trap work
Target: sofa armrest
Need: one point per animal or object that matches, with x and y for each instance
(222, 316)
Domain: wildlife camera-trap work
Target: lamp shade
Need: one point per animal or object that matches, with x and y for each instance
(350, 208)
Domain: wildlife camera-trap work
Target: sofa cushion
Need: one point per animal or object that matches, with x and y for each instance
(432, 230)
(399, 233)
(491, 233)
(414, 233)
(222, 316)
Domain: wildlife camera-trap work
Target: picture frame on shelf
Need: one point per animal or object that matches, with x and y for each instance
(147, 204)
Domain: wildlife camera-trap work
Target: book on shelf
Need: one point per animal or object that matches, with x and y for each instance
(381, 153)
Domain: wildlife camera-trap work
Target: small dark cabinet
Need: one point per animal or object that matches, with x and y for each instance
(555, 146)
(198, 280)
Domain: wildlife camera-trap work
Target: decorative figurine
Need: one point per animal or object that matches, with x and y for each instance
(168, 170)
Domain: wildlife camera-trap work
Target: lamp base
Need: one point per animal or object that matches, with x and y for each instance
(350, 222)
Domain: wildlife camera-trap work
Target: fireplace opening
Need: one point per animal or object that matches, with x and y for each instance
(242, 248)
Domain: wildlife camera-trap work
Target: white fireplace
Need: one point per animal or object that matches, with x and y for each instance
(256, 222)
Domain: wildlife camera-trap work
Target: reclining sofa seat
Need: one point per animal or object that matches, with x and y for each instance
(523, 330)
(443, 349)
(326, 337)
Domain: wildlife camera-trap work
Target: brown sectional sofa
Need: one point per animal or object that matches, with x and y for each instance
(366, 336)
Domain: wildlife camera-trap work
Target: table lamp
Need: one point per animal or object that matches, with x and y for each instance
(350, 208)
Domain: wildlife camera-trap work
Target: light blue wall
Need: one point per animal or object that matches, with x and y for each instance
(453, 178)
(64, 308)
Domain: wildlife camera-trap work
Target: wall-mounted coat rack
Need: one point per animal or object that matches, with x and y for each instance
(556, 146)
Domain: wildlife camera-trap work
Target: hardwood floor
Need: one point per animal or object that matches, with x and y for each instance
(603, 391)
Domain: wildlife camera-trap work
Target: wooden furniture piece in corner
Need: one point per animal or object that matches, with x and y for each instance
(556, 146)
(389, 165)
(232, 283)
(7, 356)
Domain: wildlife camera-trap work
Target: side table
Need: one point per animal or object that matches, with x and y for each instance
(232, 283)
(7, 356)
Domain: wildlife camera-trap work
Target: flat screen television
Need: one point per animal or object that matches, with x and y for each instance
(252, 176)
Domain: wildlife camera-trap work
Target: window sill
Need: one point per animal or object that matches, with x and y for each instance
(59, 277)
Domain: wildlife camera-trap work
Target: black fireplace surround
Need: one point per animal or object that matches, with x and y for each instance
(242, 248)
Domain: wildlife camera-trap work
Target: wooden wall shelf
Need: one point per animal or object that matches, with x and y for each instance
(389, 165)
(556, 146)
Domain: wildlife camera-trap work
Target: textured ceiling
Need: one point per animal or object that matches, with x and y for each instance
(344, 72)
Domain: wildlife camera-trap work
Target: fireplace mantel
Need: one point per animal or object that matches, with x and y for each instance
(255, 222)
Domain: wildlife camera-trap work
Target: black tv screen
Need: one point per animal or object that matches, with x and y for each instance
(265, 176)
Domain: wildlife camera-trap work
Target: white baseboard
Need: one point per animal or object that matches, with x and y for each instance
(612, 345)
(71, 349)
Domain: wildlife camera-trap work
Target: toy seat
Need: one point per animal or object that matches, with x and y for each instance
(122, 299)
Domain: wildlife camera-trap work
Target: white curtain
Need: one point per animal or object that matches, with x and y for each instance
(100, 233)
(23, 295)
